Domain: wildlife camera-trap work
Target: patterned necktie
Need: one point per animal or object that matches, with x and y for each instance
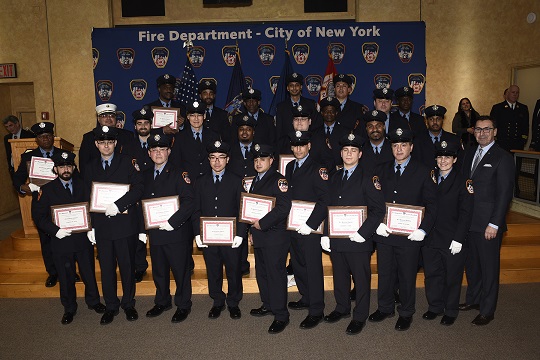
(476, 161)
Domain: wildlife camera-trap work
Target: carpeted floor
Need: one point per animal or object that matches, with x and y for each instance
(31, 329)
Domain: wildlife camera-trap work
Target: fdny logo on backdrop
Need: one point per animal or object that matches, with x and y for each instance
(313, 84)
(95, 56)
(196, 56)
(370, 51)
(104, 89)
(266, 53)
(126, 57)
(120, 119)
(405, 51)
(249, 82)
(382, 81)
(273, 81)
(300, 53)
(138, 88)
(160, 56)
(417, 81)
(229, 55)
(353, 85)
(336, 51)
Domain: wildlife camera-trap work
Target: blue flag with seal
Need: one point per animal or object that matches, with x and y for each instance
(281, 90)
(237, 86)
(186, 89)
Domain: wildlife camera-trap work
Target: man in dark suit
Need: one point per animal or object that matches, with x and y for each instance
(350, 114)
(215, 118)
(217, 194)
(512, 119)
(15, 131)
(404, 181)
(44, 132)
(115, 231)
(171, 243)
(353, 186)
(165, 86)
(68, 188)
(492, 171)
(404, 96)
(377, 150)
(265, 131)
(270, 240)
(535, 134)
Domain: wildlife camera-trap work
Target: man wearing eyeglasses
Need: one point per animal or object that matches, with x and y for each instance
(492, 170)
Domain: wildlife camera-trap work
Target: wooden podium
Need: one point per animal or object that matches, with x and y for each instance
(18, 147)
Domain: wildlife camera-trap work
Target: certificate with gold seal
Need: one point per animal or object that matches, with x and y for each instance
(74, 217)
(165, 117)
(218, 230)
(157, 211)
(403, 219)
(103, 194)
(345, 220)
(300, 213)
(254, 207)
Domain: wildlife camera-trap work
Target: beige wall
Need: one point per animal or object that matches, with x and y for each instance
(471, 46)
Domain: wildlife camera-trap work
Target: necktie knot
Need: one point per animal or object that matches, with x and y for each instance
(106, 164)
(48, 154)
(197, 137)
(217, 180)
(346, 175)
(68, 188)
(144, 145)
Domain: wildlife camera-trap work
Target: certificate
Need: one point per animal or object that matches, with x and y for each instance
(103, 194)
(300, 212)
(403, 219)
(74, 217)
(254, 207)
(246, 182)
(165, 117)
(345, 220)
(218, 230)
(283, 161)
(40, 170)
(157, 211)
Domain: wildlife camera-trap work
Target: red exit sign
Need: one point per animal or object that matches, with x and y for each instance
(8, 71)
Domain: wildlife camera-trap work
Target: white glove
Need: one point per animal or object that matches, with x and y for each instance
(455, 247)
(417, 235)
(199, 242)
(304, 229)
(383, 230)
(166, 226)
(92, 236)
(62, 233)
(142, 238)
(237, 241)
(325, 243)
(34, 188)
(111, 210)
(356, 237)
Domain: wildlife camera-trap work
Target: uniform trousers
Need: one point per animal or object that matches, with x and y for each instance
(172, 257)
(46, 253)
(358, 264)
(443, 274)
(215, 257)
(141, 264)
(405, 267)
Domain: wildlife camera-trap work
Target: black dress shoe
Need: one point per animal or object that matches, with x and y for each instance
(277, 326)
(378, 316)
(157, 310)
(352, 294)
(335, 316)
(98, 308)
(297, 305)
(77, 277)
(51, 280)
(245, 272)
(131, 314)
(430, 315)
(180, 315)
(139, 275)
(403, 323)
(262, 311)
(67, 318)
(467, 307)
(482, 320)
(355, 327)
(310, 322)
(235, 312)
(447, 320)
(215, 311)
(108, 317)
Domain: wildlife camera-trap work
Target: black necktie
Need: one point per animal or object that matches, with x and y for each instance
(255, 181)
(197, 137)
(398, 171)
(157, 174)
(48, 154)
(246, 150)
(345, 177)
(106, 165)
(436, 140)
(14, 136)
(68, 189)
(295, 168)
(441, 179)
(377, 152)
(217, 180)
(144, 145)
(328, 133)
(295, 104)
(207, 114)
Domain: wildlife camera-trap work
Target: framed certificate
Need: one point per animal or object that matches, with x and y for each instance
(345, 220)
(103, 194)
(254, 207)
(74, 217)
(218, 230)
(165, 117)
(300, 212)
(283, 161)
(403, 219)
(157, 211)
(246, 182)
(40, 170)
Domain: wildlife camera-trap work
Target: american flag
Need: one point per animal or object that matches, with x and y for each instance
(281, 89)
(186, 90)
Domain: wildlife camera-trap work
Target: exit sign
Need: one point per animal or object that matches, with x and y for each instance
(8, 71)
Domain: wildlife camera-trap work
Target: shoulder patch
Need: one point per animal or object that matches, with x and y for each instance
(377, 183)
(469, 186)
(186, 178)
(283, 185)
(323, 173)
(135, 165)
(433, 177)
